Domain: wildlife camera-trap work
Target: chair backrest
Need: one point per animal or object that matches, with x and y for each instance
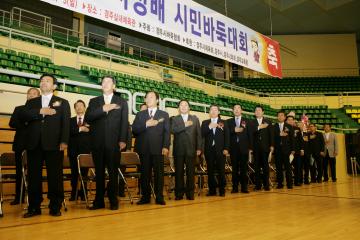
(7, 159)
(198, 160)
(129, 159)
(85, 160)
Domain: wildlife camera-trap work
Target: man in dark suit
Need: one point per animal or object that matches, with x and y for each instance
(284, 148)
(298, 148)
(20, 140)
(263, 144)
(240, 147)
(187, 145)
(136, 145)
(152, 130)
(305, 152)
(79, 143)
(108, 118)
(47, 137)
(216, 140)
(317, 149)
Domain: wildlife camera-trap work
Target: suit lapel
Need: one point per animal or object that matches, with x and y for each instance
(102, 101)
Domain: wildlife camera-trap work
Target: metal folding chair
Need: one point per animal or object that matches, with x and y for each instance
(85, 161)
(169, 172)
(200, 172)
(129, 160)
(7, 163)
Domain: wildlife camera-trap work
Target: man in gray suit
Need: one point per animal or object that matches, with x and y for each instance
(187, 145)
(331, 151)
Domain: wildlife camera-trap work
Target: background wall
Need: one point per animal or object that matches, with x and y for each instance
(334, 54)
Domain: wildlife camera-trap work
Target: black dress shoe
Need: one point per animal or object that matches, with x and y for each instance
(280, 186)
(306, 182)
(96, 206)
(257, 188)
(234, 190)
(143, 201)
(190, 197)
(55, 212)
(160, 202)
(114, 206)
(222, 194)
(15, 202)
(289, 187)
(244, 191)
(121, 194)
(211, 194)
(32, 213)
(72, 198)
(178, 198)
(267, 188)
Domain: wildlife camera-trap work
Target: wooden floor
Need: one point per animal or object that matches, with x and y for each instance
(317, 211)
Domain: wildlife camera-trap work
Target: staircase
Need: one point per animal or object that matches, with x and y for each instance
(75, 74)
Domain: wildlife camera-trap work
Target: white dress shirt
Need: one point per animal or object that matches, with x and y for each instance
(107, 98)
(152, 111)
(185, 117)
(45, 100)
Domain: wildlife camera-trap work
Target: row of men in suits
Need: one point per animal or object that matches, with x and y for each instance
(103, 130)
(308, 151)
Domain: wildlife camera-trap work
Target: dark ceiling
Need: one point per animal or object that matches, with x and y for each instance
(293, 16)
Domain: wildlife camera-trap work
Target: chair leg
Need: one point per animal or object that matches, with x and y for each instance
(126, 185)
(85, 195)
(152, 190)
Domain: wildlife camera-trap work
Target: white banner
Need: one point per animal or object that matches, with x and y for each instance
(188, 24)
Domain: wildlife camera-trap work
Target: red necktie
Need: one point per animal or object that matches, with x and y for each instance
(79, 123)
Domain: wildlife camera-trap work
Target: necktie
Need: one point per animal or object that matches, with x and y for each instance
(281, 127)
(151, 113)
(79, 123)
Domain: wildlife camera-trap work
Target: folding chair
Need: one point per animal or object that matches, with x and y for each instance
(85, 161)
(228, 169)
(169, 172)
(7, 163)
(129, 160)
(200, 172)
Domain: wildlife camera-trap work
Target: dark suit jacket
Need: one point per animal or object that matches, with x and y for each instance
(20, 127)
(306, 143)
(221, 137)
(107, 129)
(79, 142)
(151, 140)
(50, 131)
(186, 139)
(245, 137)
(298, 140)
(284, 144)
(263, 138)
(316, 143)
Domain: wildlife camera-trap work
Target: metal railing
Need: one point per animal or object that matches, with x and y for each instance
(65, 82)
(36, 38)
